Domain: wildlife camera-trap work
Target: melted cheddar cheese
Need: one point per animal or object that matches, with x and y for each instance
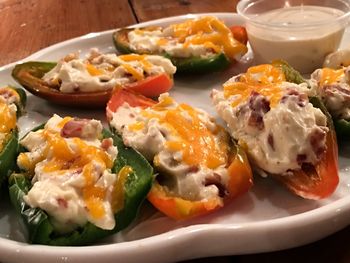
(330, 76)
(264, 74)
(191, 136)
(263, 79)
(195, 37)
(334, 89)
(118, 193)
(8, 111)
(182, 141)
(272, 119)
(93, 71)
(142, 59)
(77, 167)
(7, 118)
(105, 71)
(210, 32)
(196, 142)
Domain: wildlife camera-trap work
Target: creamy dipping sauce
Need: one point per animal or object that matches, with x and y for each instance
(303, 47)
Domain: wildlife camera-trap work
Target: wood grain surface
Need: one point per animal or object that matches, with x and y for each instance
(29, 25)
(154, 9)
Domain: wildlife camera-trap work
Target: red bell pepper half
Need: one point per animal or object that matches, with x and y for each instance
(152, 86)
(240, 34)
(321, 180)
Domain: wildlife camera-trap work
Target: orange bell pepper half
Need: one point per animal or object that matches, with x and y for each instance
(240, 180)
(177, 207)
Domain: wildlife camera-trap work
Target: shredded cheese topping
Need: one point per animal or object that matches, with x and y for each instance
(272, 119)
(188, 148)
(333, 87)
(196, 142)
(329, 76)
(264, 79)
(105, 71)
(58, 157)
(210, 32)
(8, 118)
(196, 37)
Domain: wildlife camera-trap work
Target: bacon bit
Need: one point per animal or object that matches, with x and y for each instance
(106, 143)
(193, 169)
(301, 158)
(258, 105)
(128, 75)
(62, 203)
(300, 99)
(73, 128)
(67, 165)
(332, 89)
(131, 115)
(215, 180)
(256, 120)
(258, 102)
(270, 141)
(6, 93)
(78, 171)
(317, 139)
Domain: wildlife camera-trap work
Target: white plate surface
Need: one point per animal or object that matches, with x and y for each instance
(268, 218)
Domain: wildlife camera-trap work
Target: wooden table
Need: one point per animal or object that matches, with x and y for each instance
(29, 25)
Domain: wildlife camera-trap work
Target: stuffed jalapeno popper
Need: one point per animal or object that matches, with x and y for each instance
(198, 45)
(90, 81)
(77, 183)
(334, 89)
(199, 168)
(12, 102)
(286, 131)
